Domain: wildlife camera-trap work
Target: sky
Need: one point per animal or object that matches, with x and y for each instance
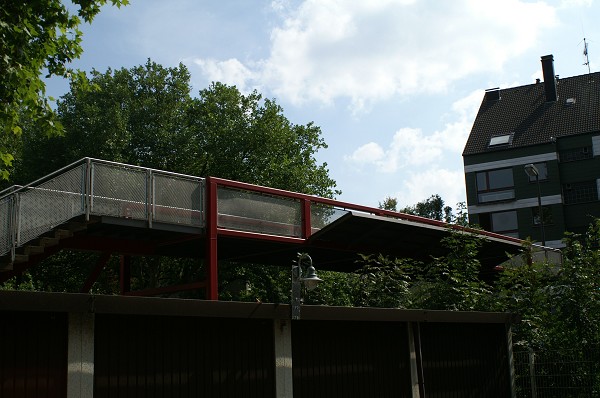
(394, 85)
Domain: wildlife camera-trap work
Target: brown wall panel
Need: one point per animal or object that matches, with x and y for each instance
(465, 360)
(158, 356)
(350, 359)
(33, 354)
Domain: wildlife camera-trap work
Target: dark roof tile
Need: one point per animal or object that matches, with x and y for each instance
(524, 111)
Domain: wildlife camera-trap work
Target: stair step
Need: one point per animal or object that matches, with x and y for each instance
(47, 241)
(76, 226)
(32, 249)
(21, 258)
(63, 233)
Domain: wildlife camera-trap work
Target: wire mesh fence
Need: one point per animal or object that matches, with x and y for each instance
(562, 374)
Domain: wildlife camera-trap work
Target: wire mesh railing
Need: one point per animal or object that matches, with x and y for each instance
(557, 374)
(100, 188)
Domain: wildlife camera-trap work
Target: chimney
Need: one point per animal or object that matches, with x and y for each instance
(549, 80)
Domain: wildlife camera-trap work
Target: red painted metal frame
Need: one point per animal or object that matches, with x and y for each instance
(213, 231)
(307, 200)
(212, 292)
(100, 264)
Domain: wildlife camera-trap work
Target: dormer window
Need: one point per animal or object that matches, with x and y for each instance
(498, 140)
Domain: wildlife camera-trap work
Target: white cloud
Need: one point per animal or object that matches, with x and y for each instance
(420, 186)
(231, 72)
(371, 51)
(413, 147)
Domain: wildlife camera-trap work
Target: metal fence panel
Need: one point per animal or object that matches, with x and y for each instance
(50, 204)
(161, 356)
(465, 360)
(350, 359)
(6, 214)
(557, 374)
(33, 354)
(119, 191)
(178, 200)
(253, 212)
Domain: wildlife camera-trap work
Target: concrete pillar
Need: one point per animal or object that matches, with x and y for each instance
(80, 378)
(414, 367)
(284, 387)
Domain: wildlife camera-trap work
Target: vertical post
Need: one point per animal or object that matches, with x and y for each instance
(532, 373)
(80, 377)
(296, 290)
(306, 221)
(511, 361)
(212, 292)
(87, 188)
(414, 368)
(420, 372)
(284, 387)
(125, 274)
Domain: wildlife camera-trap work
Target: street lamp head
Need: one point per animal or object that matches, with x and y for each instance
(531, 170)
(311, 280)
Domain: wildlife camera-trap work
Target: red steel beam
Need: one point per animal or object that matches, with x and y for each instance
(212, 292)
(93, 277)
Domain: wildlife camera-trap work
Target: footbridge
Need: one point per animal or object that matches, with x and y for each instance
(120, 209)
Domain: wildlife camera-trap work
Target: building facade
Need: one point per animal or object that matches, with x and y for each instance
(553, 125)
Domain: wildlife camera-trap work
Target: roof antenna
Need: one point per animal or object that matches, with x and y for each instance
(585, 54)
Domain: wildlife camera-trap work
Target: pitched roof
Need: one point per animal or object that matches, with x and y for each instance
(524, 113)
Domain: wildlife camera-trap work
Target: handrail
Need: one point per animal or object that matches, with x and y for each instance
(365, 209)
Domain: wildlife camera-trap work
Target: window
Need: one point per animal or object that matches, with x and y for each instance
(505, 223)
(505, 139)
(571, 155)
(580, 192)
(495, 185)
(542, 169)
(546, 211)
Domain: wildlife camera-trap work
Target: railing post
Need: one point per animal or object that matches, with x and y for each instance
(212, 292)
(532, 373)
(86, 189)
(306, 219)
(149, 197)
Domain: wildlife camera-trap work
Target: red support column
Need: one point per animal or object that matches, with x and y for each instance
(125, 274)
(306, 221)
(212, 287)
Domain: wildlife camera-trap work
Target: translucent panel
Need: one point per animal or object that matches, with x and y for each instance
(254, 212)
(5, 232)
(505, 221)
(323, 215)
(50, 204)
(118, 191)
(178, 200)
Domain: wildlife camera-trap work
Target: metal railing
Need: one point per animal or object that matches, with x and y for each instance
(103, 188)
(558, 374)
(100, 188)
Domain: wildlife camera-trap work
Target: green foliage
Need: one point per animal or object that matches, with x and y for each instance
(37, 36)
(384, 282)
(389, 203)
(433, 208)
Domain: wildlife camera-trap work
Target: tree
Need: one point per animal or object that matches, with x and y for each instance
(35, 37)
(146, 116)
(433, 208)
(389, 203)
(247, 138)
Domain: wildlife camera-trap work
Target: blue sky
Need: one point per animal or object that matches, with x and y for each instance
(394, 84)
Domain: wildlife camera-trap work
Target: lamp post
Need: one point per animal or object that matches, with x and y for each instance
(307, 276)
(533, 171)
